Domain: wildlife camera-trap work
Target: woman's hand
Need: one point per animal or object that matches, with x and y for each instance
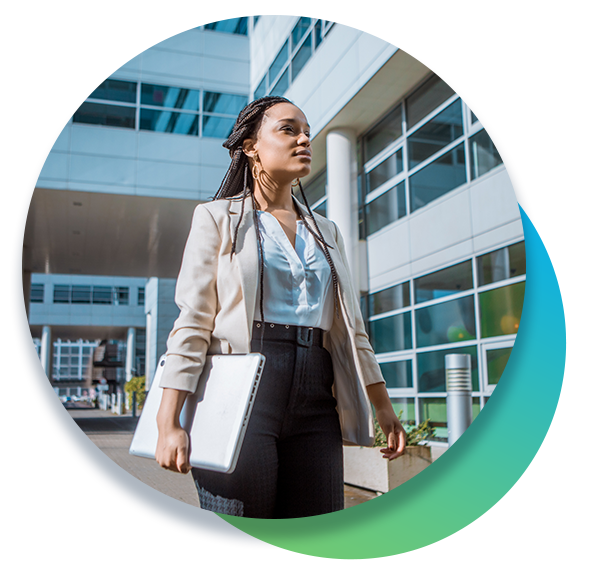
(172, 450)
(388, 421)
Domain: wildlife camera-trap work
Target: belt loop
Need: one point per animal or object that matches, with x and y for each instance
(305, 336)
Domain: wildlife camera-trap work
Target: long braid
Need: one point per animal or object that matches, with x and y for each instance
(324, 246)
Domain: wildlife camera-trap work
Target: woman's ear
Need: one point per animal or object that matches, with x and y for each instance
(249, 148)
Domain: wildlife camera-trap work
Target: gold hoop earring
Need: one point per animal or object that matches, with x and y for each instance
(256, 172)
(296, 182)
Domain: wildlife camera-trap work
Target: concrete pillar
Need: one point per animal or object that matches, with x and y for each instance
(342, 191)
(46, 353)
(130, 359)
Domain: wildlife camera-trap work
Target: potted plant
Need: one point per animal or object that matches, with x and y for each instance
(365, 467)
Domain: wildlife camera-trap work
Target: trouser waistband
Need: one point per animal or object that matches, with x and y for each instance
(305, 336)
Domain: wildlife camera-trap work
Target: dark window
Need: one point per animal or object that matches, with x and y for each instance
(301, 57)
(51, 82)
(501, 309)
(282, 84)
(391, 333)
(236, 26)
(81, 294)
(315, 190)
(383, 134)
(170, 97)
(483, 154)
(122, 295)
(167, 121)
(496, 362)
(217, 127)
(141, 296)
(389, 299)
(299, 30)
(61, 293)
(261, 89)
(502, 264)
(321, 209)
(278, 63)
(457, 278)
(386, 208)
(102, 295)
(387, 169)
(105, 115)
(37, 293)
(398, 374)
(431, 369)
(48, 109)
(427, 98)
(115, 90)
(223, 103)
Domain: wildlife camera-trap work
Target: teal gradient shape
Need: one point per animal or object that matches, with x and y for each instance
(479, 469)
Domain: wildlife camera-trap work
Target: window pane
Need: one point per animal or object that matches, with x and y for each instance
(261, 89)
(116, 91)
(502, 264)
(102, 295)
(501, 310)
(434, 410)
(457, 278)
(141, 296)
(385, 133)
(473, 118)
(61, 293)
(483, 154)
(188, 20)
(398, 374)
(299, 30)
(496, 362)
(389, 299)
(216, 127)
(122, 295)
(489, 47)
(81, 294)
(321, 209)
(51, 82)
(317, 33)
(236, 26)
(282, 84)
(391, 333)
(437, 133)
(48, 109)
(170, 97)
(404, 409)
(278, 63)
(37, 291)
(427, 98)
(386, 170)
(493, 94)
(431, 369)
(438, 178)
(105, 115)
(165, 121)
(223, 103)
(448, 322)
(315, 190)
(386, 208)
(301, 58)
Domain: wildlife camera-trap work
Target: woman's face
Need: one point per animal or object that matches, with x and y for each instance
(283, 143)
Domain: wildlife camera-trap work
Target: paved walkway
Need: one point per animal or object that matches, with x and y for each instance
(62, 490)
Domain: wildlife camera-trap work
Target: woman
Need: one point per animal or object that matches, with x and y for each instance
(262, 273)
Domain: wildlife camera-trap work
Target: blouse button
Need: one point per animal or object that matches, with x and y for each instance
(286, 326)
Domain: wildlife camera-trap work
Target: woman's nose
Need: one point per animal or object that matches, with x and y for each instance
(304, 139)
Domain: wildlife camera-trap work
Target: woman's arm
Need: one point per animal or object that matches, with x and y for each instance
(172, 444)
(388, 421)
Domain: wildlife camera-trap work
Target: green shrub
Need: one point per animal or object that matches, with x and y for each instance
(136, 385)
(415, 435)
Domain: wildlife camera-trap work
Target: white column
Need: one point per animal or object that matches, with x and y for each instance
(342, 191)
(130, 360)
(46, 354)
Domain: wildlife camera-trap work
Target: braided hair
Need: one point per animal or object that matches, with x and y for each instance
(238, 181)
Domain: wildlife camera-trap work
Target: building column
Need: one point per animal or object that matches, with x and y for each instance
(342, 193)
(46, 354)
(130, 360)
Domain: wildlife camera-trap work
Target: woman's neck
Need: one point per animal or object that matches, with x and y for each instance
(273, 197)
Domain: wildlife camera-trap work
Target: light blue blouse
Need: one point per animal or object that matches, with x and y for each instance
(298, 289)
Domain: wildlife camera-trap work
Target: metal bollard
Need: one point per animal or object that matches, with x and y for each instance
(459, 399)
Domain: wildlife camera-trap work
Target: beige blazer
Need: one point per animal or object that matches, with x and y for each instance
(216, 295)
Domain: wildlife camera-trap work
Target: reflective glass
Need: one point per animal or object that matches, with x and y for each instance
(383, 134)
(141, 296)
(299, 30)
(61, 293)
(501, 309)
(282, 84)
(216, 127)
(437, 133)
(387, 169)
(427, 98)
(102, 295)
(431, 369)
(122, 295)
(187, 20)
(223, 103)
(496, 362)
(81, 294)
(278, 63)
(315, 190)
(389, 299)
(483, 154)
(236, 26)
(317, 33)
(486, 49)
(442, 283)
(48, 109)
(261, 89)
(434, 410)
(116, 91)
(502, 264)
(404, 409)
(51, 82)
(386, 208)
(437, 178)
(166, 121)
(301, 57)
(476, 407)
(170, 97)
(448, 322)
(398, 374)
(493, 94)
(321, 209)
(473, 118)
(105, 115)
(391, 333)
(37, 291)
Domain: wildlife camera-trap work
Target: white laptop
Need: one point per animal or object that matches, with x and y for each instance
(215, 419)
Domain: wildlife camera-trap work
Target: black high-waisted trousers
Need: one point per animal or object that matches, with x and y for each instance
(291, 461)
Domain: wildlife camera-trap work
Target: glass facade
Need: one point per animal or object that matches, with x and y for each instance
(86, 295)
(234, 26)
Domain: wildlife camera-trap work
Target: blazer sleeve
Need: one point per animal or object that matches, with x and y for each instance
(196, 297)
(370, 368)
